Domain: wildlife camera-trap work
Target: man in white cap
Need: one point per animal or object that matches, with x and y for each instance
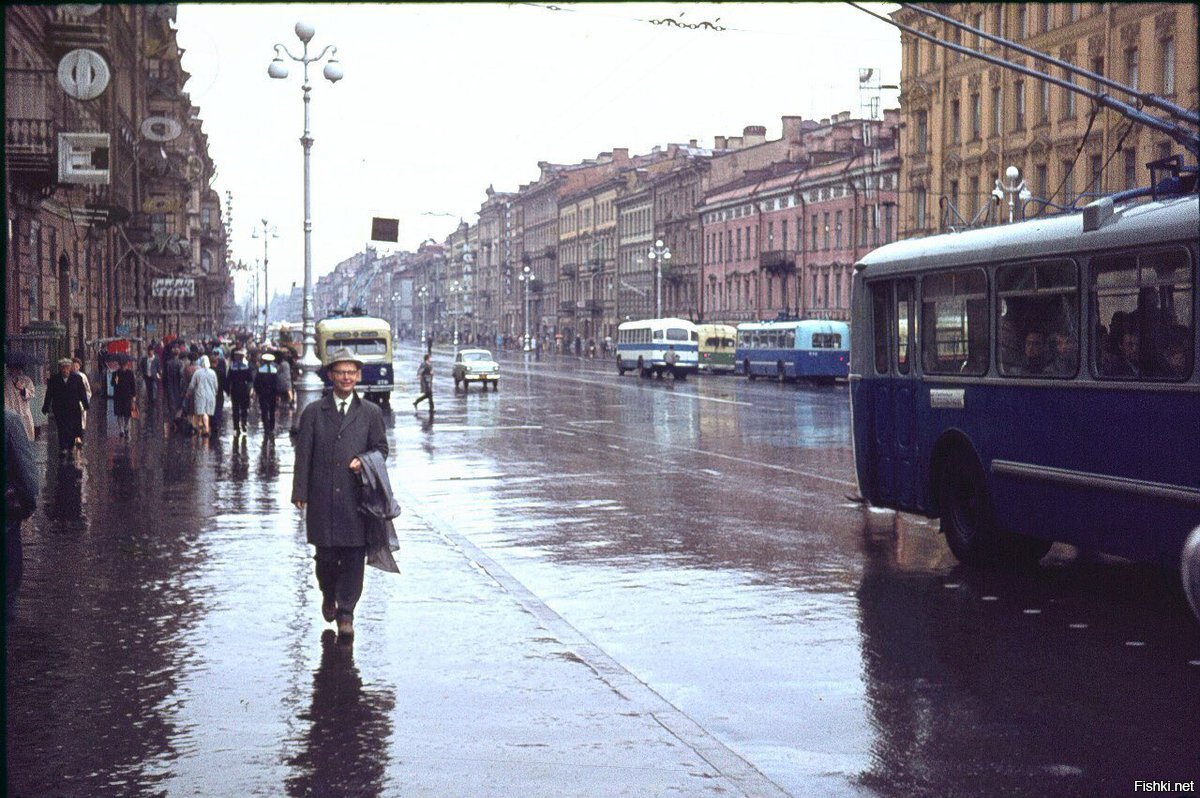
(333, 433)
(266, 388)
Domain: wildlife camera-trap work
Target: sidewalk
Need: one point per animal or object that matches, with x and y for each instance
(505, 698)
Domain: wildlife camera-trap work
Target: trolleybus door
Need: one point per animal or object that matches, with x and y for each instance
(894, 403)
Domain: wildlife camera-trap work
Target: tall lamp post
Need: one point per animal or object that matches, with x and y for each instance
(268, 232)
(526, 277)
(658, 255)
(308, 386)
(423, 295)
(455, 290)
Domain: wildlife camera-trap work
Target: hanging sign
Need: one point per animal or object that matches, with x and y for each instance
(83, 74)
(173, 287)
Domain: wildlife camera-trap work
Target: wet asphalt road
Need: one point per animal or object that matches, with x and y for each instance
(695, 535)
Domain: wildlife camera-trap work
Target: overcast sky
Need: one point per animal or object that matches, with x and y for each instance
(439, 101)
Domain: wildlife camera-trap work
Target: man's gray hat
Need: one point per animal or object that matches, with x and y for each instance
(344, 356)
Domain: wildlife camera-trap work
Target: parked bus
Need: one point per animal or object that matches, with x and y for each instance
(643, 345)
(811, 349)
(368, 337)
(717, 346)
(1036, 382)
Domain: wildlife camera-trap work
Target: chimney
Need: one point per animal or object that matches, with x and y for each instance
(824, 121)
(692, 143)
(792, 128)
(754, 134)
(719, 143)
(620, 154)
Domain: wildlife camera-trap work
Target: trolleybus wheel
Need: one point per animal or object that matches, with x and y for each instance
(967, 511)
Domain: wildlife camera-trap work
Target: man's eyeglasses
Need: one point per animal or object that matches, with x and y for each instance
(344, 372)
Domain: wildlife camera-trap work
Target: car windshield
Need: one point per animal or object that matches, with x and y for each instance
(477, 356)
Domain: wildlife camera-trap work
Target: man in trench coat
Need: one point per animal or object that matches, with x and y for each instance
(67, 398)
(333, 433)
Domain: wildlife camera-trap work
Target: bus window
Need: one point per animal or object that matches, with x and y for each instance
(1142, 311)
(659, 335)
(789, 339)
(904, 300)
(881, 305)
(1038, 309)
(955, 319)
(826, 341)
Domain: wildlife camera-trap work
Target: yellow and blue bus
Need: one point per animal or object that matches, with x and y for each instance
(794, 349)
(370, 339)
(643, 345)
(1036, 382)
(717, 347)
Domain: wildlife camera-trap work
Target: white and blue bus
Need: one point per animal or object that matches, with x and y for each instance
(1036, 382)
(810, 349)
(643, 345)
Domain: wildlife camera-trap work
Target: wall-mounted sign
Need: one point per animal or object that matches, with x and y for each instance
(160, 204)
(173, 287)
(83, 158)
(161, 128)
(83, 74)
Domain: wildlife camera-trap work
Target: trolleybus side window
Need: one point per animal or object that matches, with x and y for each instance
(826, 341)
(881, 307)
(1142, 310)
(904, 323)
(1038, 308)
(954, 316)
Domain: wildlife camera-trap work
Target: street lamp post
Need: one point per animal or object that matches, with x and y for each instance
(268, 232)
(526, 276)
(659, 254)
(308, 386)
(455, 290)
(423, 294)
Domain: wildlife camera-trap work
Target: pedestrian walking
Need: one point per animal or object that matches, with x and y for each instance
(150, 367)
(425, 374)
(334, 433)
(19, 390)
(202, 393)
(266, 388)
(172, 385)
(285, 379)
(124, 395)
(221, 369)
(77, 368)
(66, 399)
(238, 383)
(20, 500)
(670, 358)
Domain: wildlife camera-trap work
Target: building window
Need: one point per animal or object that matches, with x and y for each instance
(1162, 150)
(1019, 103)
(976, 117)
(955, 122)
(814, 233)
(739, 243)
(996, 109)
(826, 220)
(1068, 181)
(973, 194)
(1044, 101)
(922, 131)
(887, 223)
(1041, 180)
(770, 235)
(920, 208)
(1047, 17)
(1068, 108)
(1130, 168)
(783, 227)
(864, 225)
(1074, 10)
(1166, 51)
(838, 231)
(954, 196)
(1131, 68)
(1097, 166)
(1022, 22)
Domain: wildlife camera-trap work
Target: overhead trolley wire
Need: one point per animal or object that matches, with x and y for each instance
(1188, 139)
(1147, 98)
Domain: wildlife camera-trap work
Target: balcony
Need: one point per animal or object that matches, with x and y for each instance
(596, 265)
(566, 307)
(568, 270)
(777, 261)
(68, 32)
(550, 252)
(593, 306)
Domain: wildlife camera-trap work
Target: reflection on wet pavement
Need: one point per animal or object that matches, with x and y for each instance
(694, 537)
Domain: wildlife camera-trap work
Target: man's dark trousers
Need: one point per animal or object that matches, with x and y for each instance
(340, 575)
